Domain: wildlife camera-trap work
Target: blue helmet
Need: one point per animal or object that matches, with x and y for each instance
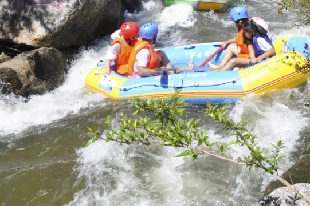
(238, 12)
(148, 31)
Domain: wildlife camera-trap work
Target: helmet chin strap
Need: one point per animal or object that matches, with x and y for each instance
(154, 40)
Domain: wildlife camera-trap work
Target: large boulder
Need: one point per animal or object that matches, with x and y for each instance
(298, 173)
(284, 196)
(60, 24)
(33, 72)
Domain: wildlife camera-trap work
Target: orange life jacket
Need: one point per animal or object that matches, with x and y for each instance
(122, 59)
(154, 57)
(244, 51)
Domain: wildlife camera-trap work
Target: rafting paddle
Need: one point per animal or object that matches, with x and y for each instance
(210, 57)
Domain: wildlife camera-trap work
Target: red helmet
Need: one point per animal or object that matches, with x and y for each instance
(129, 29)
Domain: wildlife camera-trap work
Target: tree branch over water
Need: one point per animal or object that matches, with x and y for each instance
(165, 122)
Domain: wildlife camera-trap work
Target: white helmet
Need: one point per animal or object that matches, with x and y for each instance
(260, 24)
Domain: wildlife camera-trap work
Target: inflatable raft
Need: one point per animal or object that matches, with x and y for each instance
(198, 85)
(202, 5)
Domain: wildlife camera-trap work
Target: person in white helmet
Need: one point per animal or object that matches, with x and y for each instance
(262, 44)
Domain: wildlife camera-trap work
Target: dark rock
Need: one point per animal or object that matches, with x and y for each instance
(131, 5)
(10, 83)
(4, 57)
(298, 173)
(11, 49)
(59, 24)
(33, 72)
(284, 196)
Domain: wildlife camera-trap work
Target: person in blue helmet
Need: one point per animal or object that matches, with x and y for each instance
(144, 60)
(240, 62)
(239, 44)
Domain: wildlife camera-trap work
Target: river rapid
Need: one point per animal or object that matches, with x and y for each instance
(44, 161)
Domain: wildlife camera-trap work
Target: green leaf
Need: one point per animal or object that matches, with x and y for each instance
(194, 157)
(108, 120)
(92, 140)
(280, 157)
(209, 103)
(184, 153)
(92, 129)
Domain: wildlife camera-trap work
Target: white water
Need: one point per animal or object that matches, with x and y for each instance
(135, 175)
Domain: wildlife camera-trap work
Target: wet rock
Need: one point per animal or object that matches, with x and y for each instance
(11, 49)
(4, 57)
(286, 197)
(10, 82)
(33, 72)
(298, 173)
(60, 24)
(131, 5)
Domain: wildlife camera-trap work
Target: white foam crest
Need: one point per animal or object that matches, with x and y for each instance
(223, 20)
(68, 99)
(148, 14)
(302, 30)
(168, 20)
(177, 15)
(171, 19)
(150, 5)
(272, 123)
(280, 123)
(96, 164)
(168, 179)
(113, 175)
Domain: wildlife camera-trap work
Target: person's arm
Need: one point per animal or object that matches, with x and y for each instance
(143, 57)
(107, 67)
(269, 50)
(229, 41)
(112, 54)
(266, 54)
(251, 51)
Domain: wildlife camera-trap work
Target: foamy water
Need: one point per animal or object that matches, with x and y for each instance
(117, 174)
(66, 100)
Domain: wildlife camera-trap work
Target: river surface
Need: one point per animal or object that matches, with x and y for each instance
(44, 161)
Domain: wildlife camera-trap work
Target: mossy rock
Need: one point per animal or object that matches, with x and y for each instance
(298, 173)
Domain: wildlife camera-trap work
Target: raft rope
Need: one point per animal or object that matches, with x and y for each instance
(112, 81)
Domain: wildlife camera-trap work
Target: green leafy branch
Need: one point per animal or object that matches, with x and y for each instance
(165, 122)
(166, 126)
(244, 137)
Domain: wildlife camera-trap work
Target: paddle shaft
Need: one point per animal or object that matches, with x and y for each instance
(210, 57)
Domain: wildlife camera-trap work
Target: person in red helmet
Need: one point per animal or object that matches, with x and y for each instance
(121, 47)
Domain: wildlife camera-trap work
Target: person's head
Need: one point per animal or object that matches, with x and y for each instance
(260, 24)
(248, 29)
(130, 30)
(149, 31)
(239, 15)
